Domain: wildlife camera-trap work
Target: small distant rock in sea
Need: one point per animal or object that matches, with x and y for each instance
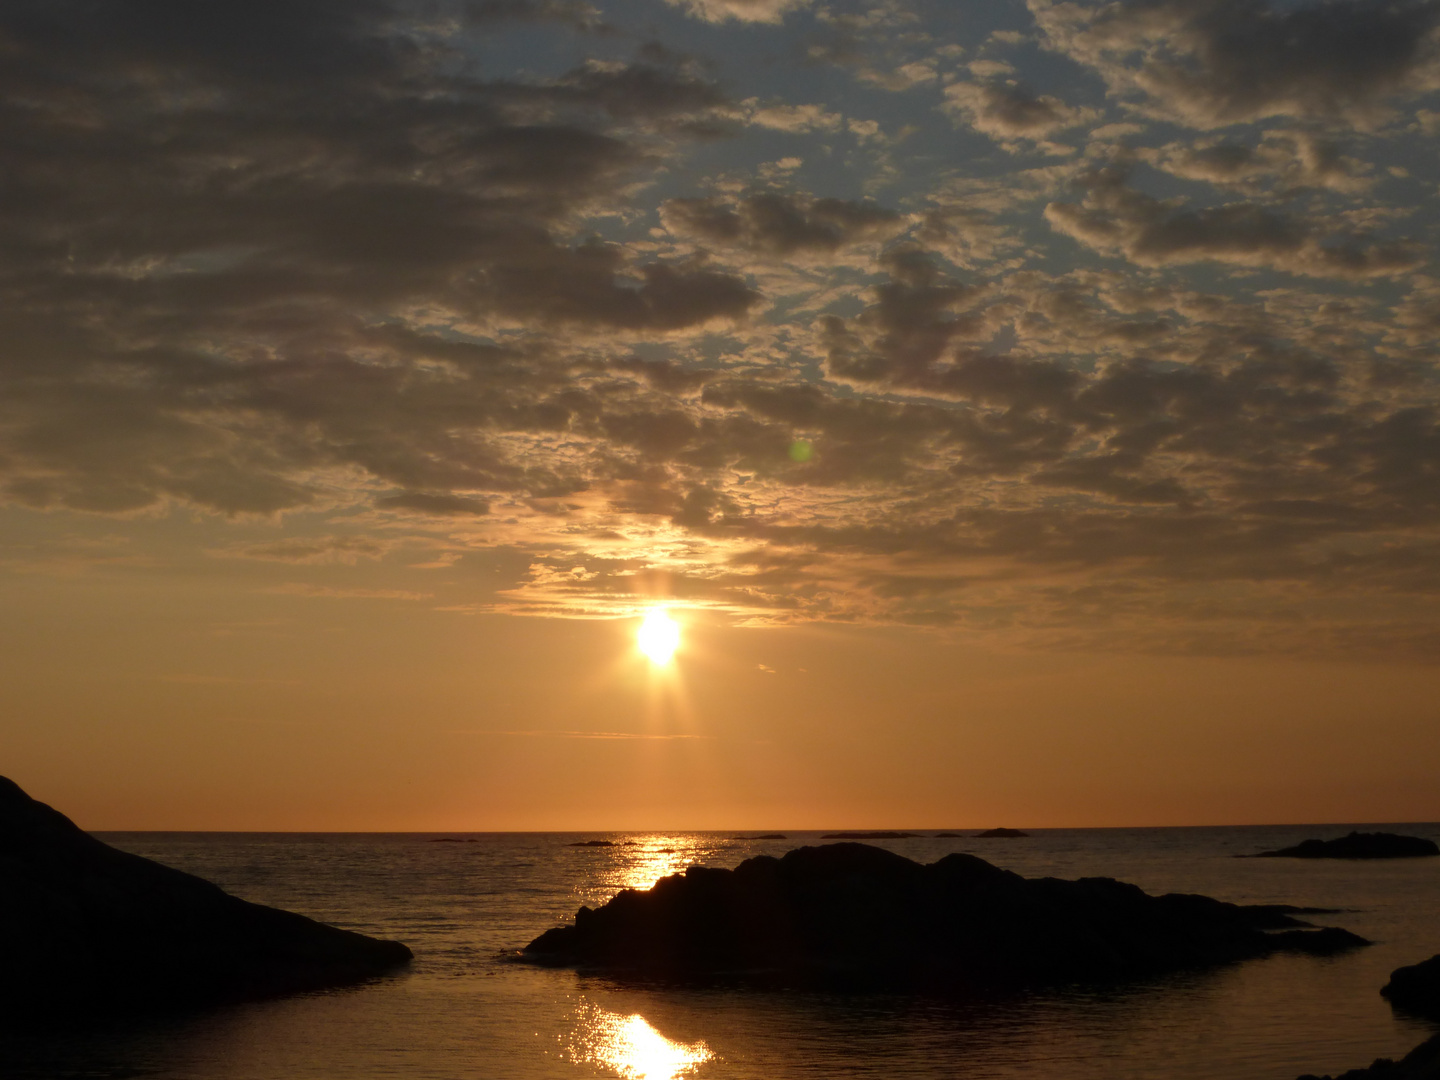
(593, 843)
(1001, 834)
(449, 840)
(878, 835)
(1416, 989)
(1358, 845)
(87, 929)
(853, 916)
(763, 836)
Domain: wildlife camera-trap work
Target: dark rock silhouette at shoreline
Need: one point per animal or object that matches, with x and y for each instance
(1357, 845)
(1001, 834)
(1414, 989)
(1422, 1063)
(763, 836)
(88, 929)
(853, 916)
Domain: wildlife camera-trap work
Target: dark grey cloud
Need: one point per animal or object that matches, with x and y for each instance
(216, 225)
(779, 223)
(1114, 217)
(1216, 62)
(1008, 110)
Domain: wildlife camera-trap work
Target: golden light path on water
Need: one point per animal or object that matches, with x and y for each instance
(632, 1048)
(656, 857)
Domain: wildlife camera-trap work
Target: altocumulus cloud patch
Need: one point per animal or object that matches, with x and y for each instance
(1105, 323)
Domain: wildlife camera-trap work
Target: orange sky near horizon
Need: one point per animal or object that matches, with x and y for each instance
(229, 709)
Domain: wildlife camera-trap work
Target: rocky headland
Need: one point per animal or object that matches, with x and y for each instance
(88, 929)
(1357, 845)
(853, 916)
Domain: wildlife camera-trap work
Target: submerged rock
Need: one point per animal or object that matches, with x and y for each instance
(1357, 845)
(1416, 989)
(593, 843)
(86, 928)
(1001, 834)
(852, 915)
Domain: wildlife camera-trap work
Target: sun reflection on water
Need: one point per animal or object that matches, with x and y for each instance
(634, 1049)
(656, 857)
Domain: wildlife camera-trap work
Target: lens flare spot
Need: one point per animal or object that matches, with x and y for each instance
(659, 636)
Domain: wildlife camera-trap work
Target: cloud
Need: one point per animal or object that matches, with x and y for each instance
(780, 224)
(1212, 63)
(794, 118)
(327, 592)
(437, 504)
(310, 549)
(1281, 161)
(308, 259)
(1117, 219)
(221, 228)
(578, 14)
(764, 11)
(1008, 111)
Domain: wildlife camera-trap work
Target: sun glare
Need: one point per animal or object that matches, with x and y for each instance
(659, 636)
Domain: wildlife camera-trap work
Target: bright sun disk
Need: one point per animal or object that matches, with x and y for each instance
(659, 636)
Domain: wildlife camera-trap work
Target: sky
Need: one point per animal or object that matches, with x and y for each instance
(1027, 410)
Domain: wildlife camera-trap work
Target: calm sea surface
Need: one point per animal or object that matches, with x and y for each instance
(465, 1010)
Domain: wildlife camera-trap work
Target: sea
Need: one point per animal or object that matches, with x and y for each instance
(467, 1009)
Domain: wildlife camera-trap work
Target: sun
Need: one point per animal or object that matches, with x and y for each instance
(658, 637)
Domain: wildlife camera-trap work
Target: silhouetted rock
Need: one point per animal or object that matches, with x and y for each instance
(950, 836)
(852, 915)
(593, 843)
(450, 840)
(878, 835)
(1416, 989)
(1422, 1063)
(1358, 845)
(86, 928)
(763, 836)
(1001, 834)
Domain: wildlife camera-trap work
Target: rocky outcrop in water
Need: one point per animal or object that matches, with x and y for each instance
(1422, 1063)
(878, 834)
(856, 916)
(1001, 834)
(1357, 845)
(1416, 989)
(86, 928)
